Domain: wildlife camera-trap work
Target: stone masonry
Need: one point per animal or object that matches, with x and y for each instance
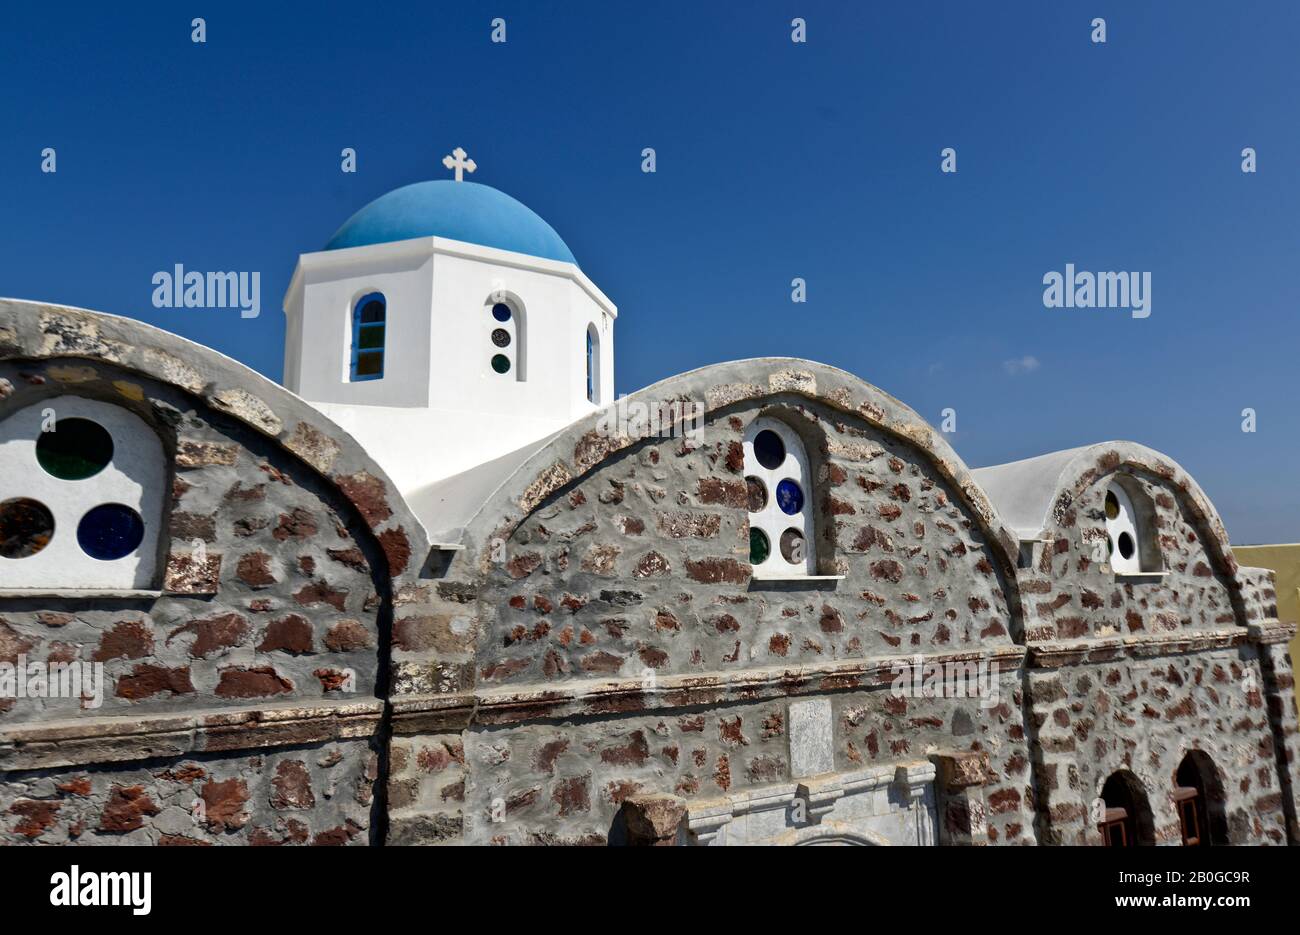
(597, 664)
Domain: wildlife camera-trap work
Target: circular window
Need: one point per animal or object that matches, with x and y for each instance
(26, 527)
(75, 450)
(500, 337)
(110, 531)
(501, 312)
(757, 494)
(789, 497)
(1112, 505)
(792, 547)
(500, 363)
(1125, 545)
(769, 449)
(759, 547)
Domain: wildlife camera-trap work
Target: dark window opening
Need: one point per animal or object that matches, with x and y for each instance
(369, 323)
(74, 449)
(1198, 799)
(1126, 821)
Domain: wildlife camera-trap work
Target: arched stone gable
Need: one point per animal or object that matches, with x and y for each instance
(38, 331)
(251, 680)
(607, 581)
(1128, 670)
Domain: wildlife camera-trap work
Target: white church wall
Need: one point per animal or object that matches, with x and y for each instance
(319, 306)
(442, 407)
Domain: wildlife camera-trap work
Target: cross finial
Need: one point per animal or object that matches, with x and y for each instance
(460, 164)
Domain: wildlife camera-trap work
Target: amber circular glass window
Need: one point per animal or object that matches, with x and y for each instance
(500, 337)
(1112, 505)
(792, 546)
(26, 527)
(756, 493)
(75, 449)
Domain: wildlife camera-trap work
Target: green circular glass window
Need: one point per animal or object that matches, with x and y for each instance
(500, 363)
(75, 449)
(760, 547)
(26, 527)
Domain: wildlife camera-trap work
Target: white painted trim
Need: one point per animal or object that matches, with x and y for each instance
(1140, 577)
(136, 476)
(771, 576)
(772, 520)
(81, 594)
(1125, 522)
(333, 263)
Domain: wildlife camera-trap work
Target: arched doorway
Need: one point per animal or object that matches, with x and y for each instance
(1126, 820)
(1198, 799)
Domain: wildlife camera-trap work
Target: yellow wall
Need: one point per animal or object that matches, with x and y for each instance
(1284, 560)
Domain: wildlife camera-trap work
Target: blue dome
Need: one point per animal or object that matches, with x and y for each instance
(465, 211)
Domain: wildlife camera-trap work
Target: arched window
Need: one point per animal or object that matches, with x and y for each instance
(369, 320)
(83, 501)
(1130, 539)
(1198, 797)
(1126, 818)
(506, 339)
(779, 481)
(593, 365)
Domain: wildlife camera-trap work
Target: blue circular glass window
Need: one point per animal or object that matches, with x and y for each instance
(789, 497)
(501, 312)
(110, 531)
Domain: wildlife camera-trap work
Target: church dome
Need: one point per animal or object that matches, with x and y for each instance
(465, 211)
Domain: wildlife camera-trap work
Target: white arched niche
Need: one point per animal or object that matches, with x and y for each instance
(92, 543)
(779, 484)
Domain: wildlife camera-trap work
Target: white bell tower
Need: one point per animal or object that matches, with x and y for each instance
(445, 325)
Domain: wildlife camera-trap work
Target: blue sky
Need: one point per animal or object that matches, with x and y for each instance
(775, 160)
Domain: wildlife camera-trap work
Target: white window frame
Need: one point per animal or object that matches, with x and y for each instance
(517, 327)
(771, 519)
(592, 365)
(136, 476)
(1126, 521)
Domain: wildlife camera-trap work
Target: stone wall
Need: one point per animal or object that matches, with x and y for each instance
(1133, 673)
(242, 693)
(597, 664)
(614, 645)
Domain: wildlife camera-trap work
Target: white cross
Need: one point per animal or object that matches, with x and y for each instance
(460, 163)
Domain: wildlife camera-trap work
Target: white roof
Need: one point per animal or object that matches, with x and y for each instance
(1022, 491)
(447, 506)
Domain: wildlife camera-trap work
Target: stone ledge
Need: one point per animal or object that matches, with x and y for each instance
(84, 741)
(1052, 654)
(457, 710)
(1271, 631)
